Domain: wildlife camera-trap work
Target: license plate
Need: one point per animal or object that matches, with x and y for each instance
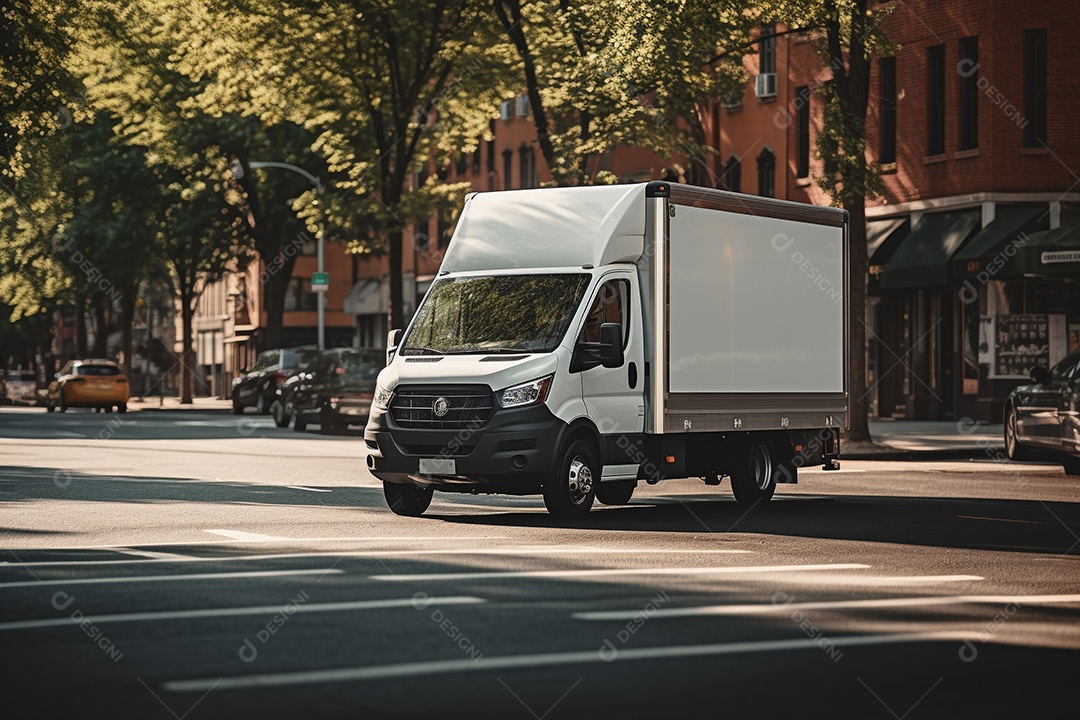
(438, 466)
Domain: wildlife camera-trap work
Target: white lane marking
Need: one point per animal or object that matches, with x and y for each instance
(247, 536)
(168, 557)
(239, 611)
(762, 609)
(301, 487)
(484, 664)
(528, 550)
(166, 578)
(887, 580)
(612, 572)
(386, 538)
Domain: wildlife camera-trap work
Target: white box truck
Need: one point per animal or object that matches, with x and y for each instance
(577, 341)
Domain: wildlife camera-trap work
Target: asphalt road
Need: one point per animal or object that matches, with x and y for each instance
(198, 565)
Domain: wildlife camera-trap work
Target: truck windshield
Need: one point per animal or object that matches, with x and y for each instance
(517, 313)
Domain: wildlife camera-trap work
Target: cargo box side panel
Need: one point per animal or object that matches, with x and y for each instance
(755, 311)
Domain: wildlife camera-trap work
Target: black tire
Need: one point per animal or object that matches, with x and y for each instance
(122, 407)
(237, 408)
(572, 491)
(407, 500)
(48, 405)
(617, 492)
(63, 402)
(1013, 449)
(299, 424)
(1071, 465)
(277, 409)
(326, 425)
(261, 406)
(753, 477)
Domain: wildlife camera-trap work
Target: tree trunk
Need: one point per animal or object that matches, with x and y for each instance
(858, 429)
(81, 341)
(187, 372)
(101, 326)
(127, 326)
(274, 296)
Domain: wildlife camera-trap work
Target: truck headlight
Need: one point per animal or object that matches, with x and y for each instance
(382, 397)
(530, 393)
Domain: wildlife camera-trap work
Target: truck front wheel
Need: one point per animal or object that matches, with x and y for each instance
(753, 478)
(572, 491)
(407, 500)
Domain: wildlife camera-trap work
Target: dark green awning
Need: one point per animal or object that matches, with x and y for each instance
(884, 236)
(992, 249)
(922, 260)
(1052, 252)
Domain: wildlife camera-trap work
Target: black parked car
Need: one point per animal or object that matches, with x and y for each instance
(257, 386)
(335, 391)
(1045, 415)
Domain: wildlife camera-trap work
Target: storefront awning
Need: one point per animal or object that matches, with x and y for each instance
(1052, 252)
(370, 296)
(992, 249)
(922, 259)
(884, 236)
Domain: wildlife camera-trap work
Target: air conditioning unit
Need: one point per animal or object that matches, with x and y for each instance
(521, 105)
(765, 85)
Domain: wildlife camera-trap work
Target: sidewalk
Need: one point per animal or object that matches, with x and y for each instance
(927, 440)
(201, 404)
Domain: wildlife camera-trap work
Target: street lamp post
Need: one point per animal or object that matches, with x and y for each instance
(321, 299)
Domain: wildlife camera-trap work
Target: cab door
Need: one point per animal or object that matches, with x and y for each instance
(614, 397)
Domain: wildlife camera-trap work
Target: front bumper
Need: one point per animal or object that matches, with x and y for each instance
(514, 453)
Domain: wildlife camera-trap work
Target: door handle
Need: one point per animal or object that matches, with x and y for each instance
(632, 375)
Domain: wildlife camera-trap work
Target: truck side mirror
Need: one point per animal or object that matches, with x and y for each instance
(606, 353)
(611, 349)
(393, 339)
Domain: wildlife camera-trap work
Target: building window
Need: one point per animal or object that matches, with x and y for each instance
(491, 147)
(1035, 88)
(935, 100)
(802, 132)
(445, 228)
(767, 50)
(732, 178)
(527, 166)
(461, 164)
(298, 295)
(887, 149)
(476, 161)
(969, 93)
(508, 169)
(766, 173)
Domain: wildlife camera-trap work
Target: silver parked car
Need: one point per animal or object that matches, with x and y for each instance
(1045, 414)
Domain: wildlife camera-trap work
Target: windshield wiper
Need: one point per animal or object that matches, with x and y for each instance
(499, 351)
(420, 351)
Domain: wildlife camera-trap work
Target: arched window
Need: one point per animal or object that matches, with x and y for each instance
(732, 178)
(766, 173)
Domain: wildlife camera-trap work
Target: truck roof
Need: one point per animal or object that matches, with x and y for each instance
(549, 227)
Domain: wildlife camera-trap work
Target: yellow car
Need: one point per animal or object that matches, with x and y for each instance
(98, 384)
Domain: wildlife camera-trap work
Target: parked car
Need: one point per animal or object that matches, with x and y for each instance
(98, 384)
(19, 387)
(335, 392)
(1045, 414)
(257, 386)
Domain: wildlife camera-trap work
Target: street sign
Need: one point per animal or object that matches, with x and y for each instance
(320, 282)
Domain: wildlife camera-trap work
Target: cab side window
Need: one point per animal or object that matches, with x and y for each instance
(611, 305)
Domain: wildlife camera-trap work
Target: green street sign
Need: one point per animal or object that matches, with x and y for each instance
(320, 282)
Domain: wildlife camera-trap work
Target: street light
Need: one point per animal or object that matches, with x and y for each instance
(238, 171)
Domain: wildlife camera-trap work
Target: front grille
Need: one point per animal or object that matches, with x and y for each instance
(467, 406)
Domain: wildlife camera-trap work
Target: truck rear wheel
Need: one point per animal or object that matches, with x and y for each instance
(572, 491)
(407, 500)
(617, 492)
(753, 478)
